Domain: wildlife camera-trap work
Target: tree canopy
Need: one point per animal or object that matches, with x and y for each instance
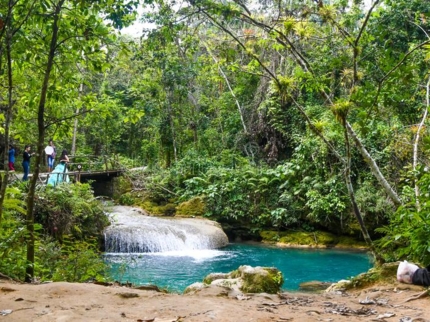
(280, 114)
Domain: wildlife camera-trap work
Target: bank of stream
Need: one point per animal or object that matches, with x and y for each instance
(170, 254)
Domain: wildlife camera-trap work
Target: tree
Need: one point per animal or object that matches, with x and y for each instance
(55, 37)
(323, 59)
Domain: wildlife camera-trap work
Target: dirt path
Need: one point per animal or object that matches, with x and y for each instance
(90, 302)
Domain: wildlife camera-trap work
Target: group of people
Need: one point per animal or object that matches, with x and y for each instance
(57, 174)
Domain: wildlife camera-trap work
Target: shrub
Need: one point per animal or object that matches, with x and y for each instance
(70, 209)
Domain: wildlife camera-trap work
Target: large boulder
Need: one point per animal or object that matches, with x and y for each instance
(260, 279)
(246, 279)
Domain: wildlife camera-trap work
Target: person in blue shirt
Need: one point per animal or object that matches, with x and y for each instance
(11, 158)
(26, 162)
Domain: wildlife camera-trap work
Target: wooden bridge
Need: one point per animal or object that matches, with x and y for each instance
(96, 170)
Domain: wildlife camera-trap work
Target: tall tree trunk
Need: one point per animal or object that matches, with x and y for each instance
(172, 126)
(8, 112)
(374, 167)
(195, 111)
(350, 188)
(239, 107)
(75, 124)
(29, 272)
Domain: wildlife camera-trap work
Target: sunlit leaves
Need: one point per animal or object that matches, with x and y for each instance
(341, 109)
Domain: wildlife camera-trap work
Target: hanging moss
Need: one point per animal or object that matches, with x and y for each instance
(191, 208)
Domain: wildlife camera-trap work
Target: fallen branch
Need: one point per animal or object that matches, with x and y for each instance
(3, 276)
(417, 296)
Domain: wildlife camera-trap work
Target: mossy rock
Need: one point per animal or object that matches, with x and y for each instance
(248, 279)
(260, 279)
(383, 273)
(318, 239)
(310, 239)
(167, 209)
(350, 242)
(269, 235)
(215, 276)
(191, 208)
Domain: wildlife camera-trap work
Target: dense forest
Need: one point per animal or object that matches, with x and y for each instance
(282, 115)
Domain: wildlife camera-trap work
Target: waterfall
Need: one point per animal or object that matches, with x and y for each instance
(133, 232)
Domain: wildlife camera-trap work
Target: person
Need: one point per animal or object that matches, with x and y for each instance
(412, 274)
(26, 162)
(64, 157)
(11, 158)
(59, 174)
(50, 151)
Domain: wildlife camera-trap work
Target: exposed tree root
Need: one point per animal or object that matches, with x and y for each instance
(417, 296)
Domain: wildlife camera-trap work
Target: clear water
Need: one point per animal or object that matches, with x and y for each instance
(178, 269)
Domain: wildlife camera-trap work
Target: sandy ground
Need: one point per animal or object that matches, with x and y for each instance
(90, 302)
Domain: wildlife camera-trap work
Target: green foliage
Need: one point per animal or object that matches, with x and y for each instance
(126, 199)
(191, 208)
(70, 209)
(406, 236)
(71, 261)
(243, 194)
(76, 258)
(12, 246)
(79, 262)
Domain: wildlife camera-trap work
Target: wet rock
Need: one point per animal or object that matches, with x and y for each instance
(314, 286)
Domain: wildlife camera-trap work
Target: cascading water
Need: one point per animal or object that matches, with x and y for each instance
(181, 251)
(133, 232)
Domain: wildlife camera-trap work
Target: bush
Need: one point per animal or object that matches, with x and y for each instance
(58, 256)
(70, 209)
(407, 235)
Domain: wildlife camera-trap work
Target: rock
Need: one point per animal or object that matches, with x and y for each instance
(261, 279)
(191, 208)
(215, 276)
(229, 283)
(313, 286)
(131, 231)
(342, 285)
(248, 279)
(195, 287)
(148, 288)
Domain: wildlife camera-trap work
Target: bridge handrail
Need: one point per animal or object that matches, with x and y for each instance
(96, 162)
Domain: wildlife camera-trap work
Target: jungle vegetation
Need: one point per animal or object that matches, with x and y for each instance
(283, 115)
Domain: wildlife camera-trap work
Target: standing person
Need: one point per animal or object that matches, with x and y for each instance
(64, 158)
(11, 158)
(50, 152)
(60, 172)
(26, 162)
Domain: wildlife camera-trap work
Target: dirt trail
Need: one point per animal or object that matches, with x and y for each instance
(90, 302)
